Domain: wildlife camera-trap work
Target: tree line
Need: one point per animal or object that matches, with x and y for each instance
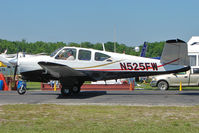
(154, 49)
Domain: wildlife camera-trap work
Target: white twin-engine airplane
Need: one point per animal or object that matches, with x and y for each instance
(72, 66)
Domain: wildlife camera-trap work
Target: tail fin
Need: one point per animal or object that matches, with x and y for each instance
(175, 52)
(144, 48)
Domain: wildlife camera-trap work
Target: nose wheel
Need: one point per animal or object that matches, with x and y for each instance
(21, 90)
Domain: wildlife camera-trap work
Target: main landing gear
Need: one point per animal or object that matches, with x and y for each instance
(70, 90)
(71, 86)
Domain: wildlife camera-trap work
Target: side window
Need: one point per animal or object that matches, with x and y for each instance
(192, 60)
(195, 70)
(67, 54)
(181, 73)
(84, 55)
(101, 57)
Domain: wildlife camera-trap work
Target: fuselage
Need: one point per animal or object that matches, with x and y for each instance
(97, 65)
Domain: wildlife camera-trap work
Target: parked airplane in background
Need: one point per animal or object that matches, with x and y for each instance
(72, 66)
(144, 49)
(10, 59)
(8, 62)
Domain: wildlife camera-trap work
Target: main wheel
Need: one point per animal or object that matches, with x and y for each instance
(163, 85)
(66, 91)
(75, 89)
(21, 90)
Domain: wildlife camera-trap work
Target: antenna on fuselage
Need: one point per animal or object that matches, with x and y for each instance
(103, 47)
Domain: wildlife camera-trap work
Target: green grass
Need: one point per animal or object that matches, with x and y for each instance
(33, 85)
(184, 88)
(96, 119)
(146, 86)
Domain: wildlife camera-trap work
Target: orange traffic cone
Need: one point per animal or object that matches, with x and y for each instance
(5, 86)
(130, 87)
(133, 87)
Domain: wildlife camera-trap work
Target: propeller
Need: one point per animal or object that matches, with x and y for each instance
(16, 65)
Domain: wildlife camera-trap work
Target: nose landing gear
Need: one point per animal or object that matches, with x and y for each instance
(21, 89)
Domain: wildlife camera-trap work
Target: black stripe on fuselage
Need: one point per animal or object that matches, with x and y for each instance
(40, 76)
(106, 75)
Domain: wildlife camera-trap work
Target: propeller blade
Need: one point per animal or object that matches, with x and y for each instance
(15, 70)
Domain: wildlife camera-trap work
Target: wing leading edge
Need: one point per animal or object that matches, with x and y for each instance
(59, 70)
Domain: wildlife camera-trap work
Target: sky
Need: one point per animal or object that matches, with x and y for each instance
(130, 22)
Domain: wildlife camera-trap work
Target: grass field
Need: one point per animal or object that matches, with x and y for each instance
(97, 119)
(34, 85)
(146, 86)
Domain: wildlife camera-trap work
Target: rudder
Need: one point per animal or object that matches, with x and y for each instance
(175, 52)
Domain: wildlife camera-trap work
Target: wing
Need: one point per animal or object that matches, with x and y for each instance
(59, 70)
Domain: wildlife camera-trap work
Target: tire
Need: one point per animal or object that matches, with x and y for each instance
(163, 85)
(21, 90)
(75, 89)
(66, 91)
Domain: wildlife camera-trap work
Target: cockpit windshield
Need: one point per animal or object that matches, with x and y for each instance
(53, 53)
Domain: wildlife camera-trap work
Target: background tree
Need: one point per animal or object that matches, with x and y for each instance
(153, 49)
